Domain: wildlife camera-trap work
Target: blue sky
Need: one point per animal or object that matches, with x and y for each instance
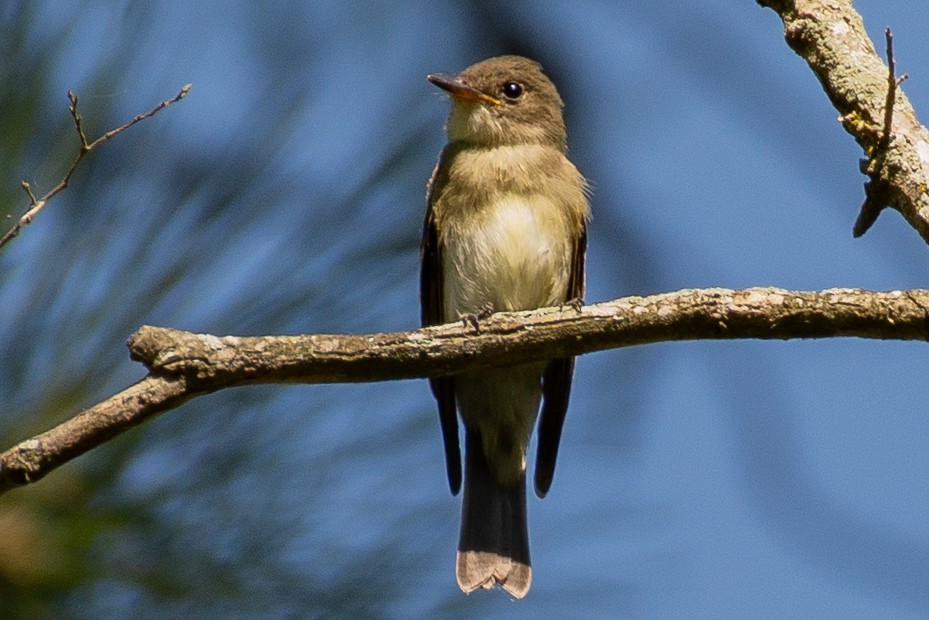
(285, 195)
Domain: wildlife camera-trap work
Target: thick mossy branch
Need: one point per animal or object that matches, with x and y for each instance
(183, 365)
(830, 36)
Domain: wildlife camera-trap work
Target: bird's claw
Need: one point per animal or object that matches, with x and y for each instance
(473, 318)
(576, 302)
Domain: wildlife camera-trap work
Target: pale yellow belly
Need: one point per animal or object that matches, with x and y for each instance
(515, 256)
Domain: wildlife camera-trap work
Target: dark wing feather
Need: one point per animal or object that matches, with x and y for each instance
(430, 296)
(556, 383)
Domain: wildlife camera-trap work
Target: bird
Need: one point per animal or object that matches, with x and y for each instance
(505, 230)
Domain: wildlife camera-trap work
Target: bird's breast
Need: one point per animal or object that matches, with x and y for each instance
(512, 253)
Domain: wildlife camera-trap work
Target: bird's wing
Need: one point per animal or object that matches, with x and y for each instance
(556, 382)
(431, 303)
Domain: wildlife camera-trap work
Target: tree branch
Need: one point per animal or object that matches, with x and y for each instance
(183, 365)
(830, 36)
(84, 147)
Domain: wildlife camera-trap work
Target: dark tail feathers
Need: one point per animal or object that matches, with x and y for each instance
(494, 544)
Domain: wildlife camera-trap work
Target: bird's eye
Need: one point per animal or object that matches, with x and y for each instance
(512, 90)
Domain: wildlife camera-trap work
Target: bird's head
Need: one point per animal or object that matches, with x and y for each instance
(504, 101)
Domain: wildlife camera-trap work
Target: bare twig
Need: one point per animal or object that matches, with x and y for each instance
(183, 365)
(892, 83)
(876, 190)
(37, 204)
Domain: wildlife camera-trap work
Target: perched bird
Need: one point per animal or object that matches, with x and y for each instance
(505, 230)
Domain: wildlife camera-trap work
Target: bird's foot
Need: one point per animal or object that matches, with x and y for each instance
(473, 318)
(577, 303)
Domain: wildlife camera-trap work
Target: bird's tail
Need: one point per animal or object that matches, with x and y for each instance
(494, 544)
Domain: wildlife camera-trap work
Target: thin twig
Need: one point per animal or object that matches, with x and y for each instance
(875, 189)
(78, 121)
(36, 205)
(892, 82)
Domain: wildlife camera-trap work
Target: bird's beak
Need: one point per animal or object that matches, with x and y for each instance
(461, 91)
